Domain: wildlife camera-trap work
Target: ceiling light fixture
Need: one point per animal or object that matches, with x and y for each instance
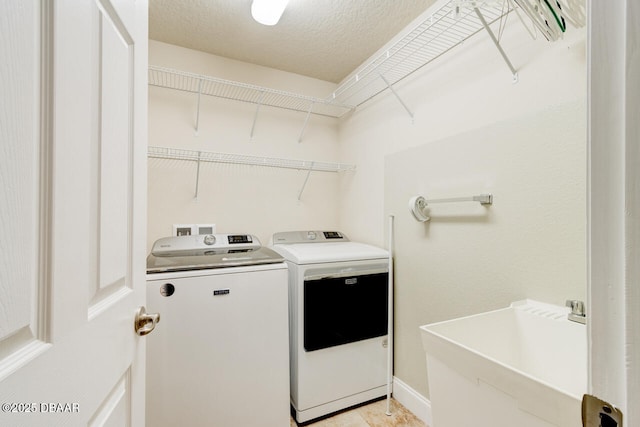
(268, 12)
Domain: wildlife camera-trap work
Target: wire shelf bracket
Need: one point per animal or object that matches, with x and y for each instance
(198, 106)
(306, 179)
(393, 91)
(255, 116)
(197, 175)
(239, 159)
(495, 41)
(306, 121)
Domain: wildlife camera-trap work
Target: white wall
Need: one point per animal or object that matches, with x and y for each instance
(475, 131)
(243, 199)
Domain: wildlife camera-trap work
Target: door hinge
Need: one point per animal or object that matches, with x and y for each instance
(598, 413)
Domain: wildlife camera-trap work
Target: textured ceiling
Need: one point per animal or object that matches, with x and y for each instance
(324, 39)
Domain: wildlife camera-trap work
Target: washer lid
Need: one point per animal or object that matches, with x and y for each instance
(212, 259)
(208, 251)
(306, 253)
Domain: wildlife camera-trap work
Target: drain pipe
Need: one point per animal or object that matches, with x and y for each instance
(390, 321)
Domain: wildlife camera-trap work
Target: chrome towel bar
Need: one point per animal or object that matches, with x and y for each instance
(418, 204)
(484, 199)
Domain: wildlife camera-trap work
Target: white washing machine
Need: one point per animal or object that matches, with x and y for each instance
(220, 355)
(338, 293)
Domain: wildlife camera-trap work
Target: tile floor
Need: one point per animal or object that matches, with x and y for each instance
(370, 415)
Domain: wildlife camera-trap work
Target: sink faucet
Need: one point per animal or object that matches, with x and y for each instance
(577, 311)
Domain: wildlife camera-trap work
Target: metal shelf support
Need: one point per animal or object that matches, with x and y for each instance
(255, 116)
(514, 73)
(306, 120)
(397, 97)
(198, 106)
(197, 175)
(304, 184)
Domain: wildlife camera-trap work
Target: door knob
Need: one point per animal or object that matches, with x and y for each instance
(145, 322)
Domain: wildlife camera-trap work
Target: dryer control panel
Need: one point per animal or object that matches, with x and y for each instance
(312, 236)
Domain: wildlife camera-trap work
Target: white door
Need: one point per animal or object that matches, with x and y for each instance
(72, 211)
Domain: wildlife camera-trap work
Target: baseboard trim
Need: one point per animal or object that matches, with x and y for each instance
(412, 400)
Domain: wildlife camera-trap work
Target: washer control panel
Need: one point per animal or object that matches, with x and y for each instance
(175, 245)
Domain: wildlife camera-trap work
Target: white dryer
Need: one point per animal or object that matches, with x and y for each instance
(220, 355)
(338, 307)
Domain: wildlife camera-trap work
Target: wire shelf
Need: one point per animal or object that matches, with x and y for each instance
(212, 86)
(447, 27)
(240, 159)
(444, 29)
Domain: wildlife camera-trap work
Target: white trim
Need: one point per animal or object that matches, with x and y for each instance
(614, 205)
(338, 405)
(390, 320)
(419, 405)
